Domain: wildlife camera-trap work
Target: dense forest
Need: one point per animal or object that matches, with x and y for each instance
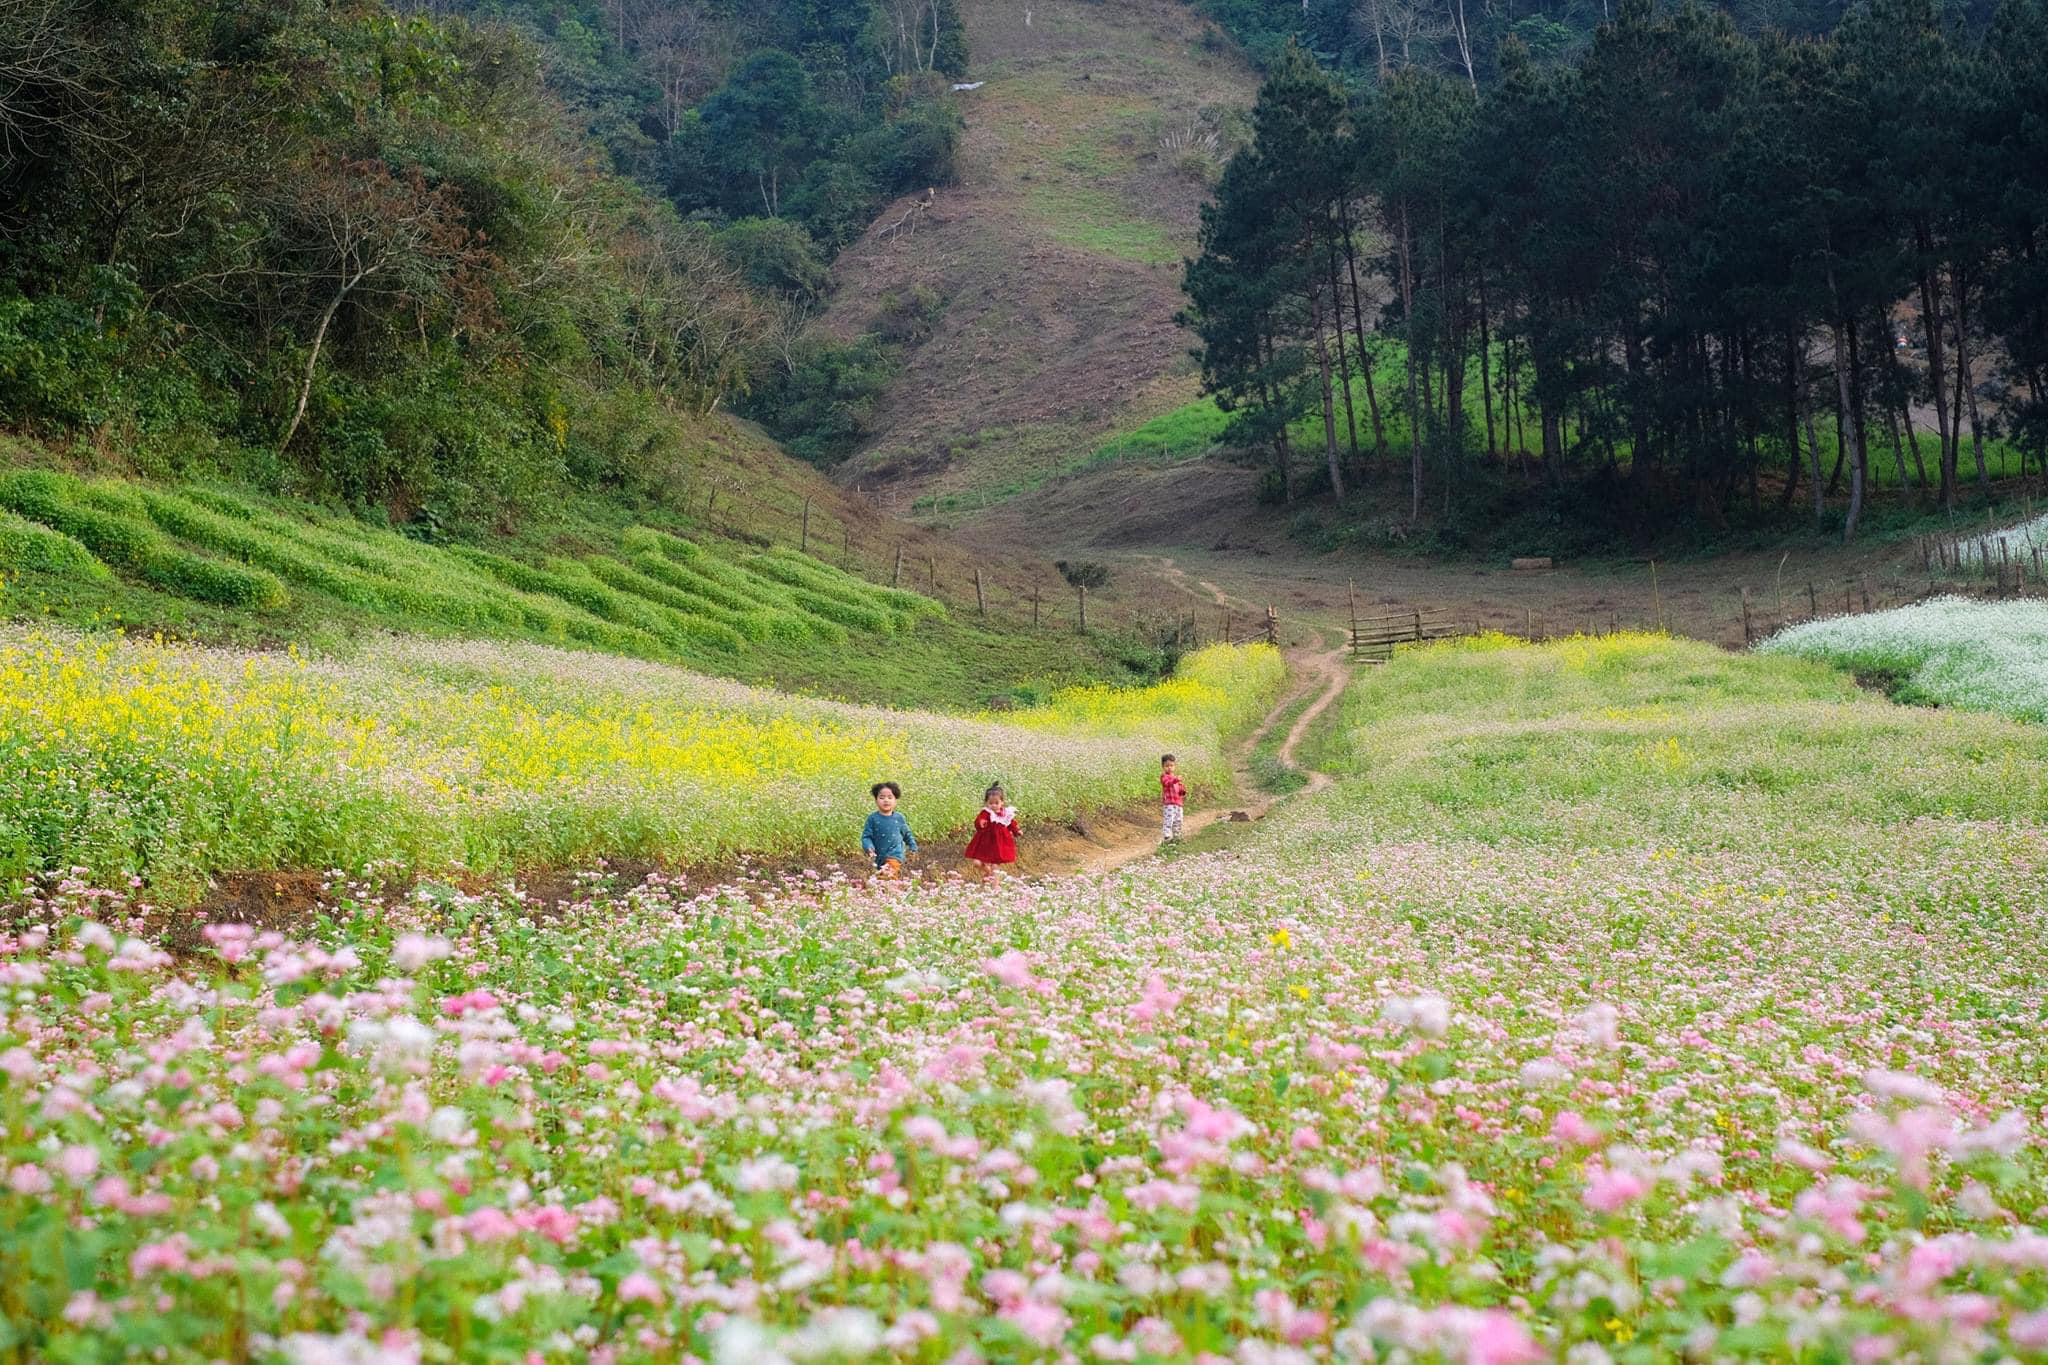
(1685, 269)
(440, 259)
(1374, 38)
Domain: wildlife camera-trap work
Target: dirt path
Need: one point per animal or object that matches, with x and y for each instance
(1319, 673)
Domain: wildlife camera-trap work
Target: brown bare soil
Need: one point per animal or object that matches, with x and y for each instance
(1057, 254)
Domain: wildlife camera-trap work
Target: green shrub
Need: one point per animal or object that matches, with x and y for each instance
(690, 580)
(91, 516)
(627, 579)
(253, 540)
(823, 577)
(842, 612)
(27, 545)
(627, 609)
(645, 539)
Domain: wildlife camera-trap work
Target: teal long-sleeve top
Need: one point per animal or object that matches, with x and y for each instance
(887, 836)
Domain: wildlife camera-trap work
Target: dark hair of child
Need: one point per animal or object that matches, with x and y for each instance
(889, 787)
(992, 791)
(1165, 759)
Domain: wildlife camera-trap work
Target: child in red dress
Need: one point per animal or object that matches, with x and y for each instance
(995, 833)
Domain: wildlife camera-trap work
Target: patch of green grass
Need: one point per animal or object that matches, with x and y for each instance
(1097, 220)
(1269, 773)
(1647, 741)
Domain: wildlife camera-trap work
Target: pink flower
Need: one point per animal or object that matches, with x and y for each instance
(1157, 1002)
(166, 1256)
(29, 1178)
(77, 1163)
(1497, 1338)
(2029, 1331)
(1569, 1129)
(414, 951)
(639, 1287)
(1610, 1191)
(490, 1225)
(1013, 969)
(1042, 1323)
(551, 1221)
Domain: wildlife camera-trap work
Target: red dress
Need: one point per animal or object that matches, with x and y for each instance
(994, 842)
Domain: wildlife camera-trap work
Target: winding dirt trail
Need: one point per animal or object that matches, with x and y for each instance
(1317, 672)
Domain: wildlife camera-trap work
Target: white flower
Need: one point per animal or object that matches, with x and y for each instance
(768, 1172)
(1428, 1015)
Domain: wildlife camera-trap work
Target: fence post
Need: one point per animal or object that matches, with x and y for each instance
(1036, 597)
(804, 542)
(1812, 599)
(1226, 625)
(980, 602)
(1656, 597)
(896, 576)
(1082, 588)
(1272, 626)
(1418, 625)
(1748, 633)
(846, 547)
(1865, 581)
(932, 574)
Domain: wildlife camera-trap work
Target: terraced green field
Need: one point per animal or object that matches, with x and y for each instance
(660, 596)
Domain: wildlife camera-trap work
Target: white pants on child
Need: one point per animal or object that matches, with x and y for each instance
(1169, 822)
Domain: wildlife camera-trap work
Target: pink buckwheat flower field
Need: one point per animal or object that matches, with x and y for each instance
(1623, 1000)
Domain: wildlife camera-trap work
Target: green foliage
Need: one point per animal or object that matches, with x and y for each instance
(821, 403)
(27, 545)
(1650, 279)
(102, 520)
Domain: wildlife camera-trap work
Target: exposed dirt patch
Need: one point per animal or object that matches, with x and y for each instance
(1057, 252)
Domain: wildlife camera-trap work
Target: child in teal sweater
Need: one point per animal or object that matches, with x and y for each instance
(886, 837)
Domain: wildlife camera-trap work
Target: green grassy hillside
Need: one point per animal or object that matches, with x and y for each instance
(711, 575)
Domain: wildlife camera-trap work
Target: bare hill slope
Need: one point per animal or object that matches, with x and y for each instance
(1055, 261)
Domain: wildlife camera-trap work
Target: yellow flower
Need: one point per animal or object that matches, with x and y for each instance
(1301, 992)
(1280, 938)
(1622, 1333)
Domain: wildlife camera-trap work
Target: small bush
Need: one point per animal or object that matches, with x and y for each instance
(626, 579)
(26, 545)
(91, 516)
(253, 540)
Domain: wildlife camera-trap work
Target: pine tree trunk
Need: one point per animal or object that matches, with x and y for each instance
(1343, 357)
(1372, 398)
(1805, 401)
(1930, 320)
(1486, 370)
(1407, 264)
(1852, 432)
(1329, 403)
(1968, 384)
